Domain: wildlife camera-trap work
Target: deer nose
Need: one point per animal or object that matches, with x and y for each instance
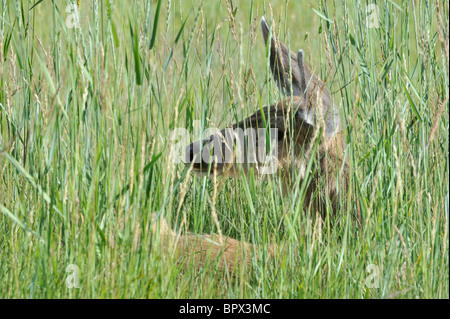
(193, 155)
(189, 154)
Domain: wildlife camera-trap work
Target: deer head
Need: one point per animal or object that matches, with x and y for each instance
(289, 124)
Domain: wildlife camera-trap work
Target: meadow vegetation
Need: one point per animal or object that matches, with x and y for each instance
(87, 154)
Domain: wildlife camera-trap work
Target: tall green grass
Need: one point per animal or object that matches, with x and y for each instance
(86, 155)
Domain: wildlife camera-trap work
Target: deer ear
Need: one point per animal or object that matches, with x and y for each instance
(265, 29)
(293, 77)
(301, 68)
(330, 113)
(283, 63)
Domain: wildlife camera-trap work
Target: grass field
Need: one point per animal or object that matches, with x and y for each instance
(86, 154)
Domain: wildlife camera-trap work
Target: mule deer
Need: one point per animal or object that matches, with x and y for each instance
(307, 117)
